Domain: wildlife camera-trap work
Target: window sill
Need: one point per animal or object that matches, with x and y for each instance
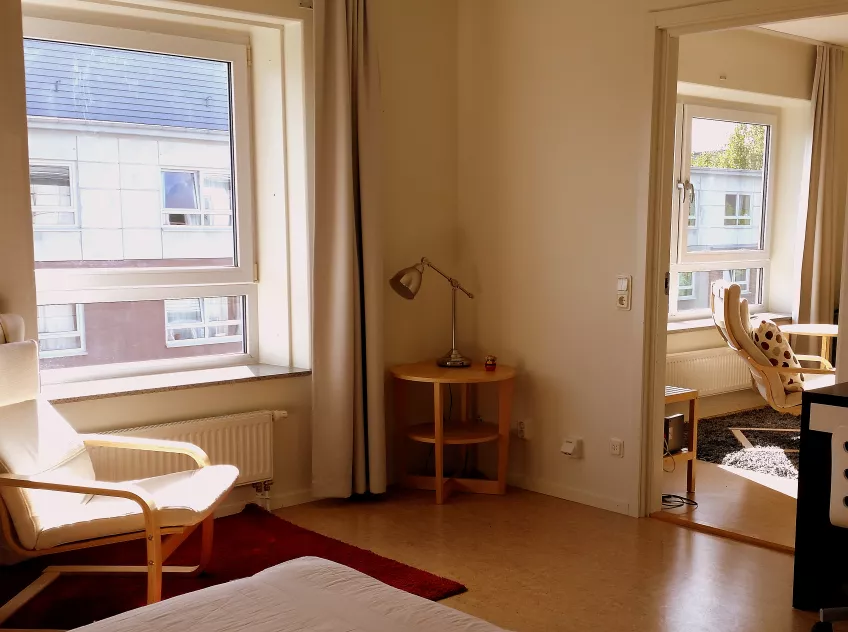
(145, 384)
(700, 324)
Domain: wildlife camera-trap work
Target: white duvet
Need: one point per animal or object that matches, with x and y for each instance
(308, 594)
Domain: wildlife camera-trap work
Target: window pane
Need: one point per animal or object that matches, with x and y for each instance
(139, 331)
(728, 171)
(693, 288)
(151, 188)
(60, 331)
(180, 189)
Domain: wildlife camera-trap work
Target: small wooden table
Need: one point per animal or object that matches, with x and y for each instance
(824, 331)
(674, 394)
(465, 432)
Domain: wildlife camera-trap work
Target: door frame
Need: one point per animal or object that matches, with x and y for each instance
(670, 25)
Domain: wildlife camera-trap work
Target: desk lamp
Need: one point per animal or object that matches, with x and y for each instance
(407, 282)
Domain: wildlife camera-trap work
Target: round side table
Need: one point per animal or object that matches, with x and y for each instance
(464, 432)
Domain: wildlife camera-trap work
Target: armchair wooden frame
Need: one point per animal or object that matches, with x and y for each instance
(766, 372)
(158, 549)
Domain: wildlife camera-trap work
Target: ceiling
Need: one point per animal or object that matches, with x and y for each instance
(832, 29)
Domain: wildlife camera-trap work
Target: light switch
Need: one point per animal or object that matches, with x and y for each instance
(623, 292)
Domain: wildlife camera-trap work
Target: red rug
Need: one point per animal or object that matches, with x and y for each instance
(244, 544)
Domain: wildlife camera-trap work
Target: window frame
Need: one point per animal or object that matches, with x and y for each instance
(50, 280)
(201, 175)
(73, 208)
(103, 285)
(683, 261)
(205, 325)
(79, 332)
(736, 208)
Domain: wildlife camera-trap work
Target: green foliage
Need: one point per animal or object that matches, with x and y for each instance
(744, 150)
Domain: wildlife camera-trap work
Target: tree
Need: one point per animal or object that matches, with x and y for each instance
(745, 149)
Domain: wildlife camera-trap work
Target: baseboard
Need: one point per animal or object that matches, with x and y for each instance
(279, 500)
(549, 488)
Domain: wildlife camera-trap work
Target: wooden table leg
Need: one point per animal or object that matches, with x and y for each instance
(693, 444)
(400, 431)
(825, 349)
(463, 418)
(438, 446)
(504, 418)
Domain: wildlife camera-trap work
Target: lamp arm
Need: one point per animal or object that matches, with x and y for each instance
(454, 282)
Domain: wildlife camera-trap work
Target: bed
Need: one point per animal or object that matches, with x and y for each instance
(308, 594)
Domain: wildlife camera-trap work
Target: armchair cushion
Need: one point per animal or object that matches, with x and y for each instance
(18, 372)
(777, 349)
(182, 499)
(36, 439)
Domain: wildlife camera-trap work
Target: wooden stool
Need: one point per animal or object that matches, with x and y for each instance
(674, 394)
(466, 432)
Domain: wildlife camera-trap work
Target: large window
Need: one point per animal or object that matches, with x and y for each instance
(720, 210)
(141, 201)
(61, 331)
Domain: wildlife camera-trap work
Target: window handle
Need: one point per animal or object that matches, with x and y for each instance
(688, 190)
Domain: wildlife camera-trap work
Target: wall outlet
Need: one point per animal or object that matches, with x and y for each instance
(616, 447)
(522, 429)
(572, 447)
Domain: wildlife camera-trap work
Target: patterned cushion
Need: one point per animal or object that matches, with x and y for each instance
(776, 348)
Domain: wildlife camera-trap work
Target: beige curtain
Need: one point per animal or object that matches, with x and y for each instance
(348, 436)
(821, 263)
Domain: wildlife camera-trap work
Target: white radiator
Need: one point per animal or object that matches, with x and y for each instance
(245, 440)
(712, 371)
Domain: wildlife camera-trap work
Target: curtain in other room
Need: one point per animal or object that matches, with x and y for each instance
(348, 436)
(821, 262)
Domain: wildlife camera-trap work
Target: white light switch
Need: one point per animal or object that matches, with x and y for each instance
(623, 292)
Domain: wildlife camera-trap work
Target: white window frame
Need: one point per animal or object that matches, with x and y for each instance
(683, 261)
(202, 174)
(743, 285)
(737, 208)
(203, 324)
(73, 208)
(96, 285)
(692, 296)
(79, 332)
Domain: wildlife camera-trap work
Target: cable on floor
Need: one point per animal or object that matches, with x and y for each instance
(673, 501)
(665, 454)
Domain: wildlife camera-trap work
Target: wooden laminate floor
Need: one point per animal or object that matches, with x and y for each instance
(738, 502)
(535, 563)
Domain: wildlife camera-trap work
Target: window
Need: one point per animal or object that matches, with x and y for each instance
(721, 202)
(51, 195)
(141, 201)
(685, 286)
(203, 321)
(737, 209)
(741, 277)
(61, 331)
(182, 192)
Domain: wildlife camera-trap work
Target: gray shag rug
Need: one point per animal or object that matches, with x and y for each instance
(717, 443)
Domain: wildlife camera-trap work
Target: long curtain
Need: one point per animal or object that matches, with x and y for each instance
(821, 263)
(348, 421)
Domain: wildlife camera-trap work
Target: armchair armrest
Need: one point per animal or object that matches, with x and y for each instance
(825, 364)
(151, 445)
(98, 488)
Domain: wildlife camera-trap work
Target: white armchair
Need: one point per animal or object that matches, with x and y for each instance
(733, 321)
(51, 501)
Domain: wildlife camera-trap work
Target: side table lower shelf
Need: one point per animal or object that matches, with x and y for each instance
(455, 433)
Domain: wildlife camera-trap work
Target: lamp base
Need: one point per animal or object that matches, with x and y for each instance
(453, 359)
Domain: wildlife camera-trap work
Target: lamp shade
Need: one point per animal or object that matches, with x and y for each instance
(407, 282)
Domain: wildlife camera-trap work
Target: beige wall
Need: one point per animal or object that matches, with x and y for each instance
(750, 61)
(554, 131)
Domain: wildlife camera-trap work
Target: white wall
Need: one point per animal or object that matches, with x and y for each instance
(554, 133)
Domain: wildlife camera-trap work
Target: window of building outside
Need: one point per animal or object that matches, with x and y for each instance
(720, 211)
(139, 180)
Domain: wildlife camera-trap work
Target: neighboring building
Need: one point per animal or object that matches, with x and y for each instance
(130, 166)
(726, 214)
